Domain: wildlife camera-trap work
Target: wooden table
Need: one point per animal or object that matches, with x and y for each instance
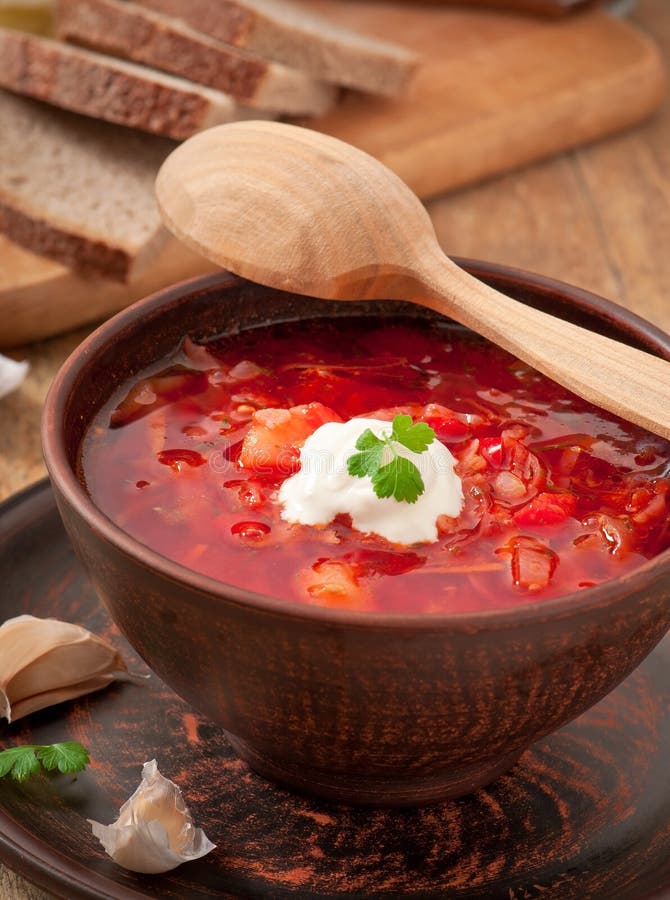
(597, 217)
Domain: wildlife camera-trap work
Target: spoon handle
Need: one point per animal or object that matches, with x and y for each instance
(628, 382)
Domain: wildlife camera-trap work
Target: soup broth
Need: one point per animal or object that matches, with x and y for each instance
(558, 494)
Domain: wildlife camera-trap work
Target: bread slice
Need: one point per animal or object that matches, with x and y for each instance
(40, 298)
(77, 190)
(108, 88)
(130, 31)
(280, 30)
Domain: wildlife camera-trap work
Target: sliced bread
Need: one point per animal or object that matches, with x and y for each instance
(39, 298)
(108, 88)
(280, 30)
(130, 31)
(77, 190)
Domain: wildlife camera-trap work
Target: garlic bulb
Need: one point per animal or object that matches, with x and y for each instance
(154, 832)
(45, 661)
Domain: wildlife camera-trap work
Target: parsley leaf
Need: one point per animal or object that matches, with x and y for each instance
(22, 762)
(416, 437)
(399, 478)
(369, 459)
(67, 757)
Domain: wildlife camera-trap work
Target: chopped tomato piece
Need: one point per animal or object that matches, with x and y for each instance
(546, 509)
(332, 582)
(447, 424)
(273, 442)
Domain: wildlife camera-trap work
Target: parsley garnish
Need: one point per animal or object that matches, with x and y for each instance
(398, 478)
(23, 762)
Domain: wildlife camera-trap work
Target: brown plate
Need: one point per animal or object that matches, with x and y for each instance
(585, 813)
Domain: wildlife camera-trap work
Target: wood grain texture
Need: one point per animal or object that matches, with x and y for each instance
(306, 213)
(598, 217)
(40, 297)
(494, 93)
(537, 7)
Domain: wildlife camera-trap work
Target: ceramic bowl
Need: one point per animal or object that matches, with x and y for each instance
(357, 707)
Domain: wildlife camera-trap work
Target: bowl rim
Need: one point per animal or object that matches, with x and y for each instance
(65, 480)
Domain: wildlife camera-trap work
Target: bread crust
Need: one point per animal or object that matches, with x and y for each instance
(79, 191)
(226, 20)
(76, 251)
(282, 31)
(105, 88)
(133, 32)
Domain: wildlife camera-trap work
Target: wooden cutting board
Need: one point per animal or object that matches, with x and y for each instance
(495, 91)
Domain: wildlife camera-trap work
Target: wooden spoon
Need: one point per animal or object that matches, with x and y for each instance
(303, 212)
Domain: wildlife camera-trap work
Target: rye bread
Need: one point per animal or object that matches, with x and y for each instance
(132, 32)
(280, 30)
(77, 190)
(40, 298)
(107, 88)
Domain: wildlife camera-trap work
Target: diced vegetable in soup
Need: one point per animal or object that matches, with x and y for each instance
(437, 472)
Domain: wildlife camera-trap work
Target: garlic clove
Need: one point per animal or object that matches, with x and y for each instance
(46, 661)
(154, 831)
(20, 708)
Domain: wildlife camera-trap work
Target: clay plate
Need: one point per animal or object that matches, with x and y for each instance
(585, 814)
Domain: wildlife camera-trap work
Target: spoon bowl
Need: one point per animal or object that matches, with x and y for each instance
(295, 210)
(300, 211)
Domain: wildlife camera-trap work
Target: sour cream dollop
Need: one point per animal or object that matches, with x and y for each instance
(323, 488)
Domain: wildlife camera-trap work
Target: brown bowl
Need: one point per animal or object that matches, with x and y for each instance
(358, 707)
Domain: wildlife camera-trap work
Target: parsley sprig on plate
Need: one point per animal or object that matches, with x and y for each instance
(24, 761)
(399, 477)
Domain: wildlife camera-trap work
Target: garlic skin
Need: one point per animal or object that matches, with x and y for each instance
(12, 373)
(154, 832)
(46, 661)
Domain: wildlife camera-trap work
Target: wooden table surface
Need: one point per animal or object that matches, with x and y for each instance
(598, 217)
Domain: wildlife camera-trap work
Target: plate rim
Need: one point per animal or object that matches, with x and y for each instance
(41, 863)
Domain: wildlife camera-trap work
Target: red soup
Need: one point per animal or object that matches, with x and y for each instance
(558, 495)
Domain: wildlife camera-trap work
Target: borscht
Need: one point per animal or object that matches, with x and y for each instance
(393, 464)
